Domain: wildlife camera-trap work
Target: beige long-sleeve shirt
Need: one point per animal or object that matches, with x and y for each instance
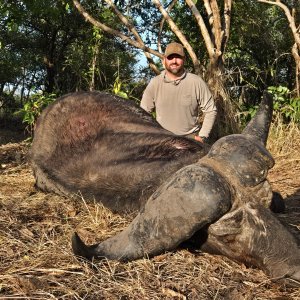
(177, 102)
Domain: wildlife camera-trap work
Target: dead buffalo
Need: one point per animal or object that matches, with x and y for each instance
(108, 149)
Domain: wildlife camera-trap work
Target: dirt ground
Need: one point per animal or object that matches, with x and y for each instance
(36, 261)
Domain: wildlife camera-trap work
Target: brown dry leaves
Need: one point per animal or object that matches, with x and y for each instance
(37, 262)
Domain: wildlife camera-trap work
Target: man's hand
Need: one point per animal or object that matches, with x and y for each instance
(200, 139)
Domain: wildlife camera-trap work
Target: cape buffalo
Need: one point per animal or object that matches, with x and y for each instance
(109, 149)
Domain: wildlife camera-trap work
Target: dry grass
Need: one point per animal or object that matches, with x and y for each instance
(37, 262)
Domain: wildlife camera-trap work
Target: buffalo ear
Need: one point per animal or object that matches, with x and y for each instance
(259, 126)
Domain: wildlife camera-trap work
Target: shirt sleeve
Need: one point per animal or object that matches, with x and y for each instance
(208, 123)
(208, 106)
(147, 102)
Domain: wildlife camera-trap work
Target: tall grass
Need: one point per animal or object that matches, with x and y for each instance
(284, 140)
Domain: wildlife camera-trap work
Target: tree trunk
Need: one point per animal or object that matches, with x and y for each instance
(50, 82)
(226, 122)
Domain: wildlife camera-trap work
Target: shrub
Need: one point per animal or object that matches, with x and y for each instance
(286, 107)
(33, 108)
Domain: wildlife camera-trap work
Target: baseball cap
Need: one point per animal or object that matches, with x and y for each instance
(174, 48)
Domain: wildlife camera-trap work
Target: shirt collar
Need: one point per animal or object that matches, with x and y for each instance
(176, 81)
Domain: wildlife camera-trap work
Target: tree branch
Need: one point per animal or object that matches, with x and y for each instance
(227, 22)
(133, 30)
(216, 28)
(289, 16)
(209, 12)
(296, 47)
(206, 36)
(180, 35)
(161, 25)
(137, 44)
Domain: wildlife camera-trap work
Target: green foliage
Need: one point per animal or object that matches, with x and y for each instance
(126, 89)
(33, 108)
(246, 113)
(259, 50)
(285, 105)
(48, 46)
(118, 88)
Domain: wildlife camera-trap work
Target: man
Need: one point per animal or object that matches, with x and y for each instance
(176, 96)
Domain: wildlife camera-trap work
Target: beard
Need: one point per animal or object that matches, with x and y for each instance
(175, 69)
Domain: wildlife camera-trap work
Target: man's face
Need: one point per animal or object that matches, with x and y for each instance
(174, 63)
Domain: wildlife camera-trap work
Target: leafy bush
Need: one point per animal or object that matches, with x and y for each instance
(33, 108)
(125, 89)
(119, 88)
(246, 114)
(285, 106)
